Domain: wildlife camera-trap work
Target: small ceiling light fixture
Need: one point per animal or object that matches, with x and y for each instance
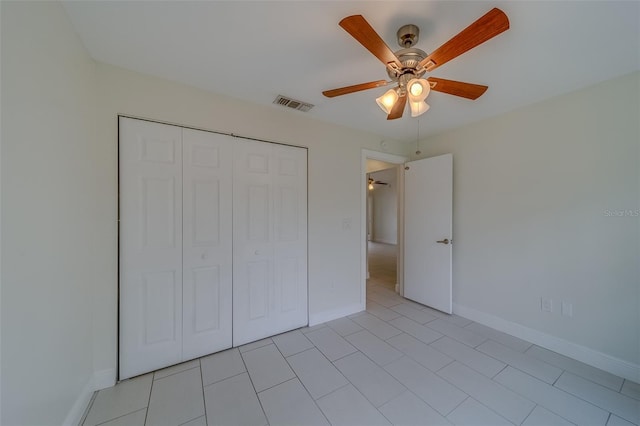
(417, 91)
(370, 184)
(388, 100)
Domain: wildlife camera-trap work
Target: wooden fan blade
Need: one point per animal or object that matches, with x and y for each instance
(398, 108)
(457, 88)
(488, 26)
(355, 88)
(360, 29)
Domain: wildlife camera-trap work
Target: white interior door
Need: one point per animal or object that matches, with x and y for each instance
(207, 243)
(428, 209)
(270, 240)
(150, 246)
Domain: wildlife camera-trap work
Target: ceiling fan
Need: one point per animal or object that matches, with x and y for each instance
(375, 182)
(407, 65)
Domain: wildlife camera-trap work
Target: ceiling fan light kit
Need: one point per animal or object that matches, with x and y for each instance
(388, 100)
(418, 108)
(407, 66)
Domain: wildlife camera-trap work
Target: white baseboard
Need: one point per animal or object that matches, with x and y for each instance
(564, 347)
(77, 410)
(100, 380)
(104, 378)
(319, 318)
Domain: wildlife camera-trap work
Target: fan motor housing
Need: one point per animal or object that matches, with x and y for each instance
(410, 58)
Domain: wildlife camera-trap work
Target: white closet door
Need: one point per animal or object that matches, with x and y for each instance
(270, 240)
(150, 246)
(207, 247)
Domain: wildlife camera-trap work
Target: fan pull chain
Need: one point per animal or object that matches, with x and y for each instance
(418, 152)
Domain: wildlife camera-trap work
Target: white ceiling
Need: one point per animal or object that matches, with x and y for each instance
(257, 50)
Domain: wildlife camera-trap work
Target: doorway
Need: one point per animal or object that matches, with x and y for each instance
(382, 247)
(382, 225)
(424, 230)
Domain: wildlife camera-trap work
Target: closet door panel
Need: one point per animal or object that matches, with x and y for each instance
(150, 246)
(270, 278)
(207, 243)
(253, 296)
(290, 240)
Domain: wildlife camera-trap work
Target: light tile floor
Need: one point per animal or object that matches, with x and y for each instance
(397, 363)
(382, 261)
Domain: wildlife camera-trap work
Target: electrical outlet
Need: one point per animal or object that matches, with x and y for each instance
(346, 223)
(567, 309)
(546, 304)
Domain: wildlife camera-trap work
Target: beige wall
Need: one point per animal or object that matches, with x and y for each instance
(532, 191)
(385, 206)
(50, 242)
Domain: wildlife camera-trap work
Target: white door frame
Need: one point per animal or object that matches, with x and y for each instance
(388, 158)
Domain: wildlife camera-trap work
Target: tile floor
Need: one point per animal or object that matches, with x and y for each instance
(396, 363)
(382, 260)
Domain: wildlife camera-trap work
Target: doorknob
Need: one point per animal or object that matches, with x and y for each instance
(445, 241)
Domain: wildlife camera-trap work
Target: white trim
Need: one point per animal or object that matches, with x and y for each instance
(564, 347)
(104, 378)
(99, 380)
(325, 316)
(77, 410)
(389, 158)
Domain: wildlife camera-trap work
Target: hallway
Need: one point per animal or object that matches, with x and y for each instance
(382, 263)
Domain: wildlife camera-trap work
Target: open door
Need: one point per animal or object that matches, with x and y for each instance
(428, 212)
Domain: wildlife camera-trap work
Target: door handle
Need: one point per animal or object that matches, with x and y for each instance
(445, 241)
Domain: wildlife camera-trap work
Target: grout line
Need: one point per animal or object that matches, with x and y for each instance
(445, 366)
(535, 404)
(456, 407)
(471, 396)
(254, 386)
(571, 394)
(556, 380)
(303, 385)
(146, 414)
(204, 399)
(380, 367)
(173, 374)
(226, 378)
(501, 370)
(195, 418)
(341, 387)
(608, 418)
(343, 356)
(278, 384)
(622, 385)
(251, 350)
(119, 417)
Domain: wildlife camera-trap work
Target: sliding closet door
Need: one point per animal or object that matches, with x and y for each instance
(270, 240)
(207, 248)
(150, 246)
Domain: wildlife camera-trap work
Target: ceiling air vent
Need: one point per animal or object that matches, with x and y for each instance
(292, 103)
